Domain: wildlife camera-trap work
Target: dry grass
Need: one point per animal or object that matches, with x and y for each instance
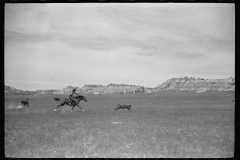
(152, 130)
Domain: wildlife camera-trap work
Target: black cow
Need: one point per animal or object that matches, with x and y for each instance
(124, 106)
(25, 103)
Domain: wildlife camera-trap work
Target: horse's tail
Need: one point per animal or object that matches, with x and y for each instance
(57, 99)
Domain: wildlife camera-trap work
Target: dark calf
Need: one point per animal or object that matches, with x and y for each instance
(25, 103)
(124, 106)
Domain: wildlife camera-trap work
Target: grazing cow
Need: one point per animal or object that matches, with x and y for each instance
(25, 103)
(70, 102)
(124, 106)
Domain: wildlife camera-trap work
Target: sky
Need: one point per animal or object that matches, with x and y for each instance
(51, 46)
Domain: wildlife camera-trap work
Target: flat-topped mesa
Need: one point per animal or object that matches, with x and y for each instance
(92, 85)
(119, 88)
(197, 85)
(115, 89)
(122, 85)
(92, 88)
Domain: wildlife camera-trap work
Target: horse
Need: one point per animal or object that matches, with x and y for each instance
(25, 103)
(69, 102)
(124, 106)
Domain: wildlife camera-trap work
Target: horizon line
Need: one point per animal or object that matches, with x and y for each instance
(181, 77)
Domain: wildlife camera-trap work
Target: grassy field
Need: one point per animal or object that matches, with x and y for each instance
(166, 124)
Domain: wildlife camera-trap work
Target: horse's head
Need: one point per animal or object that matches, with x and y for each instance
(84, 98)
(81, 98)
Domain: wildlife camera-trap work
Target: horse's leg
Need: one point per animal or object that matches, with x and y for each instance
(80, 107)
(73, 107)
(58, 106)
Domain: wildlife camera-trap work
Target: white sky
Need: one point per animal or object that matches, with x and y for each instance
(51, 46)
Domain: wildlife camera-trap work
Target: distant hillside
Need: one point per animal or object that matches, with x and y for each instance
(92, 88)
(197, 85)
(11, 90)
(66, 90)
(178, 84)
(114, 89)
(46, 92)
